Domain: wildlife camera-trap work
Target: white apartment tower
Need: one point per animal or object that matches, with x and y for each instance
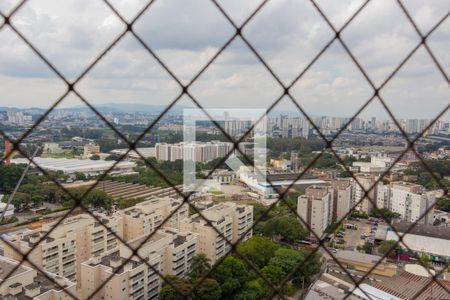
(409, 200)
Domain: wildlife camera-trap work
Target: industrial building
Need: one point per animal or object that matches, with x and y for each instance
(85, 166)
(425, 239)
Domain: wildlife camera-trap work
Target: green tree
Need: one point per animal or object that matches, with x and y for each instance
(289, 259)
(288, 227)
(200, 266)
(94, 157)
(209, 289)
(20, 201)
(387, 246)
(231, 274)
(253, 289)
(425, 261)
(95, 198)
(273, 273)
(385, 214)
(259, 250)
(9, 176)
(444, 204)
(366, 247)
(80, 176)
(169, 293)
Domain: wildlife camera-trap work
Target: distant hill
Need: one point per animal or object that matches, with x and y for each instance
(104, 108)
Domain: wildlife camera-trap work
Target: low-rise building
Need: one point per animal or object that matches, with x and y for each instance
(84, 251)
(424, 239)
(90, 149)
(8, 208)
(52, 148)
(366, 262)
(72, 166)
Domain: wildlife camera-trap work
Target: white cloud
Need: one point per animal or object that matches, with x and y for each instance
(186, 35)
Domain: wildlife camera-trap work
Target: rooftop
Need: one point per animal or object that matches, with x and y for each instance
(357, 256)
(439, 232)
(6, 266)
(73, 165)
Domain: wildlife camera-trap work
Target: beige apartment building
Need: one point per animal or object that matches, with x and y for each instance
(342, 200)
(27, 283)
(231, 220)
(83, 251)
(79, 238)
(75, 240)
(90, 149)
(167, 251)
(316, 208)
(144, 217)
(366, 181)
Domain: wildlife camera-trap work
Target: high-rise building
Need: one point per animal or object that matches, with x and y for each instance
(232, 220)
(81, 249)
(295, 162)
(27, 283)
(167, 251)
(196, 151)
(75, 240)
(364, 182)
(409, 200)
(342, 202)
(316, 208)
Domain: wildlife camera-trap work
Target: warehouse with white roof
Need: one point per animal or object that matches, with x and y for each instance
(85, 166)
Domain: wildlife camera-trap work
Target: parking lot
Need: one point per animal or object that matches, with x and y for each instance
(354, 237)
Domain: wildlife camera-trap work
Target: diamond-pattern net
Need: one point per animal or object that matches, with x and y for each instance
(71, 88)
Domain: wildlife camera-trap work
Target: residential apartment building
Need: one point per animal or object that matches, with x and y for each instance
(144, 217)
(82, 250)
(79, 238)
(364, 182)
(166, 252)
(27, 283)
(315, 208)
(231, 220)
(90, 149)
(409, 200)
(73, 241)
(196, 151)
(342, 197)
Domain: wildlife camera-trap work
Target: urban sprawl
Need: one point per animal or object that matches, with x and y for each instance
(343, 208)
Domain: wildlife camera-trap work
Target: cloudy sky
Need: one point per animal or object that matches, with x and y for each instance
(186, 34)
